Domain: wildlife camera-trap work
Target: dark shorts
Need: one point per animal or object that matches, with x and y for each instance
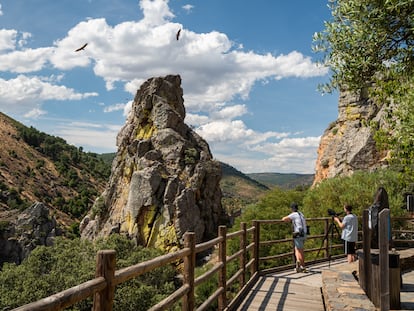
(349, 248)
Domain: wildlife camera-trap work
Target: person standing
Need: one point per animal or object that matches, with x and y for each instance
(349, 226)
(380, 203)
(299, 235)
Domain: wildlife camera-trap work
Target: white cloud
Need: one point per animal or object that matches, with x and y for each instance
(1, 11)
(188, 7)
(156, 12)
(115, 107)
(23, 94)
(7, 39)
(35, 113)
(91, 136)
(214, 70)
(290, 155)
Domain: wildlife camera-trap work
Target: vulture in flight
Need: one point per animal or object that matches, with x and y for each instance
(178, 34)
(81, 48)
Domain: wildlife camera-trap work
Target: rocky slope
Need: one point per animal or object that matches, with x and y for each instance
(348, 144)
(36, 167)
(164, 180)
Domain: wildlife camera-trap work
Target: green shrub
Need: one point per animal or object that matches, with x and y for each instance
(49, 270)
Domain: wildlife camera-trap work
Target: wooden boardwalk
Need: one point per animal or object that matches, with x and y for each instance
(288, 290)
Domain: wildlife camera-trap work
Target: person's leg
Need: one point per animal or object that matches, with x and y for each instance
(300, 256)
(299, 252)
(350, 251)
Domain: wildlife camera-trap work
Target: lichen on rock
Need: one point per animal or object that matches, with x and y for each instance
(164, 181)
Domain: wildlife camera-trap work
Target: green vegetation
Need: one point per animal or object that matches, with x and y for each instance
(78, 168)
(357, 190)
(48, 270)
(368, 47)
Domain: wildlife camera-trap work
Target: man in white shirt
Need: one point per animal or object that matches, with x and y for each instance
(349, 226)
(299, 235)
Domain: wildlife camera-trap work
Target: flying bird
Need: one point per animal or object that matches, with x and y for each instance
(178, 34)
(81, 48)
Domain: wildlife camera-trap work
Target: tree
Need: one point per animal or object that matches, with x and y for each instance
(367, 40)
(368, 45)
(48, 270)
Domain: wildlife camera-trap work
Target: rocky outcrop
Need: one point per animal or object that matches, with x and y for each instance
(348, 144)
(164, 181)
(33, 227)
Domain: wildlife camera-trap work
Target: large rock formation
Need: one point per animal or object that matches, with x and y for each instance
(33, 227)
(348, 145)
(164, 181)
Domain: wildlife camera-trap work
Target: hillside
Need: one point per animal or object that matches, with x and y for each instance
(283, 181)
(35, 166)
(239, 189)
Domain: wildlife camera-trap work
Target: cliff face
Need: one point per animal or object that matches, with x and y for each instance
(347, 145)
(164, 181)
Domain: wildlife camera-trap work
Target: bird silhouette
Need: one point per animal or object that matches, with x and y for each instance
(81, 48)
(178, 34)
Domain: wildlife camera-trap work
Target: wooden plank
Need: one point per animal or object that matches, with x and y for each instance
(272, 293)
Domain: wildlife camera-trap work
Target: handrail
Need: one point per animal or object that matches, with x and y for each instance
(103, 285)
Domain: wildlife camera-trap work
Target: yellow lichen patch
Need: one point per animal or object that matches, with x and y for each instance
(351, 115)
(147, 224)
(146, 131)
(129, 224)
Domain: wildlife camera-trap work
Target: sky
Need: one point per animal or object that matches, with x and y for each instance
(248, 72)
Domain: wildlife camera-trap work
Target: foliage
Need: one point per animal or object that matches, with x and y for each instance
(368, 45)
(367, 40)
(274, 205)
(357, 190)
(77, 168)
(48, 270)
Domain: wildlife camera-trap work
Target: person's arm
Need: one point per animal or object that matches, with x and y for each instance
(340, 223)
(286, 219)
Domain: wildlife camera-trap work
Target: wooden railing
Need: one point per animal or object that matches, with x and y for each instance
(102, 287)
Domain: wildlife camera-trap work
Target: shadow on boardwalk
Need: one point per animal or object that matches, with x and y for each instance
(289, 290)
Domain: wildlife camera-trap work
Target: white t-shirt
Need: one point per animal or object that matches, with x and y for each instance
(350, 230)
(298, 221)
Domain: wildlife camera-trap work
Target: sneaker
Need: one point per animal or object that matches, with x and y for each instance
(303, 269)
(298, 268)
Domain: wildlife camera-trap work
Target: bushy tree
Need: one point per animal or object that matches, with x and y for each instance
(48, 270)
(367, 40)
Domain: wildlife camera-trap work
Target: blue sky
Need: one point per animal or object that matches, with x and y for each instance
(248, 72)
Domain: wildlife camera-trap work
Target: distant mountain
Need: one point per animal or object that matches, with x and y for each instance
(283, 181)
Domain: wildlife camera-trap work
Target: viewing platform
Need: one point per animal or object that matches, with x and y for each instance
(327, 286)
(264, 280)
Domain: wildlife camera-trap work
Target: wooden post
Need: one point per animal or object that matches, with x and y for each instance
(367, 267)
(105, 267)
(189, 267)
(242, 261)
(222, 278)
(256, 246)
(384, 260)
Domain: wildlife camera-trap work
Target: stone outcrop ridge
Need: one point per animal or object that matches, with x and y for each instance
(164, 181)
(33, 227)
(348, 145)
